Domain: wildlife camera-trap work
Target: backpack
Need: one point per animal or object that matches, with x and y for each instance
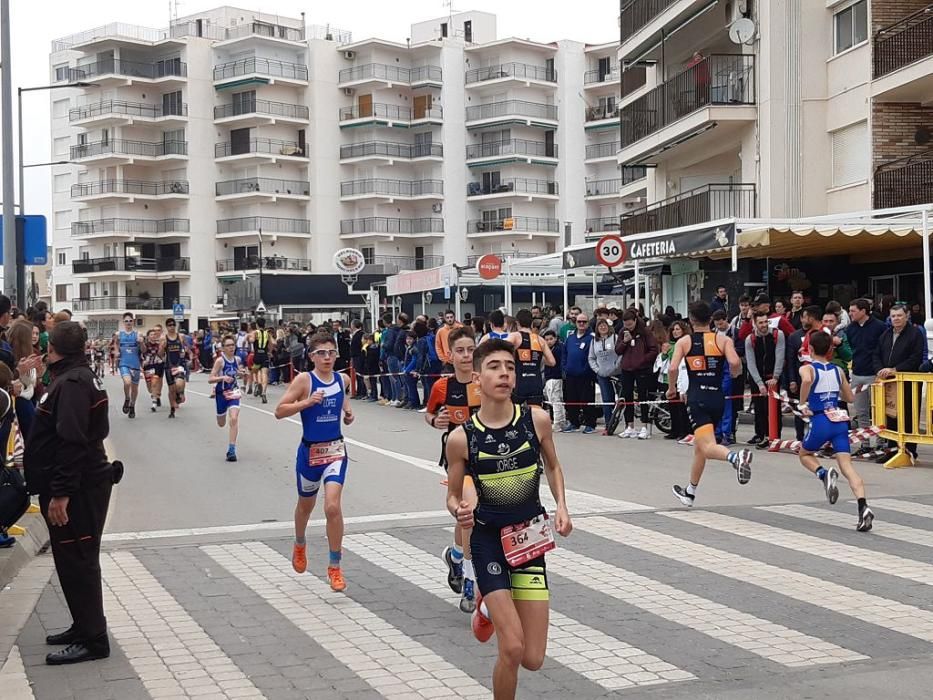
(14, 499)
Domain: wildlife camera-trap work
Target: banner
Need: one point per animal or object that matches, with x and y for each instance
(682, 243)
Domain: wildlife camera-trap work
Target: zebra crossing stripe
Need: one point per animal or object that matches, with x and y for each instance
(764, 638)
(173, 655)
(392, 663)
(13, 678)
(891, 531)
(879, 562)
(606, 661)
(907, 507)
(906, 619)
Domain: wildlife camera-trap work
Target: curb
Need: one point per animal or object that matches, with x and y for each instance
(35, 541)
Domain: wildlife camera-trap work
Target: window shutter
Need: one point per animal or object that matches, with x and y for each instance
(850, 154)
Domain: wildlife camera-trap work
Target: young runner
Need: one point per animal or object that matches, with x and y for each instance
(706, 354)
(502, 448)
(320, 397)
(497, 327)
(261, 347)
(129, 347)
(531, 352)
(173, 350)
(822, 383)
(154, 366)
(224, 375)
(451, 403)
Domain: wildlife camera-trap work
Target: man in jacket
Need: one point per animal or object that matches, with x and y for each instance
(764, 355)
(66, 464)
(779, 321)
(900, 349)
(397, 361)
(357, 357)
(441, 344)
(720, 302)
(342, 339)
(579, 386)
(864, 333)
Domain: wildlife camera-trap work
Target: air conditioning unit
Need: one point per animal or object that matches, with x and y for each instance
(348, 91)
(437, 207)
(349, 55)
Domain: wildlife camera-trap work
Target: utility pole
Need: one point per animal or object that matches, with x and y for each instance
(6, 144)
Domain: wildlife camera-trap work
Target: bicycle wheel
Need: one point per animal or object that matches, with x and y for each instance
(662, 419)
(614, 419)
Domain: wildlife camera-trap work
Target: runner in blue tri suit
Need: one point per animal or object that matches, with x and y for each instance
(225, 373)
(821, 385)
(175, 353)
(497, 327)
(130, 346)
(319, 396)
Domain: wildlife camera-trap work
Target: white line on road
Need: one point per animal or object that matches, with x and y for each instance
(908, 507)
(13, 678)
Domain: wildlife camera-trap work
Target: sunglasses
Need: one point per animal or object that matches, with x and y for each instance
(325, 353)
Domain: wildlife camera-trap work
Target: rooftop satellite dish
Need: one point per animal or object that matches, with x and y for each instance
(742, 31)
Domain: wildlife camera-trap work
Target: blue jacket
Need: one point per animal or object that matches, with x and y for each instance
(556, 372)
(575, 357)
(387, 342)
(412, 358)
(863, 340)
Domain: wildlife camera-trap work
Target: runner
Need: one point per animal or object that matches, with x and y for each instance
(822, 383)
(154, 366)
(129, 346)
(224, 374)
(497, 328)
(319, 396)
(242, 352)
(706, 354)
(173, 350)
(511, 531)
(531, 351)
(261, 347)
(451, 403)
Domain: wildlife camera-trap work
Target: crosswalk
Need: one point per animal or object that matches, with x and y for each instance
(642, 598)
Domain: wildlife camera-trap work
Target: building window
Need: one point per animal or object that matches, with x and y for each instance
(851, 25)
(63, 219)
(61, 292)
(60, 146)
(61, 258)
(60, 108)
(62, 182)
(850, 154)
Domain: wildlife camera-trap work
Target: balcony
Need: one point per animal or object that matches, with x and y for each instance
(511, 151)
(596, 152)
(124, 152)
(391, 189)
(253, 225)
(139, 303)
(507, 112)
(531, 225)
(130, 265)
(121, 112)
(602, 189)
(258, 189)
(261, 112)
(271, 264)
(903, 59)
(905, 182)
(393, 264)
(602, 224)
(632, 79)
(260, 150)
(115, 71)
(503, 255)
(509, 72)
(716, 95)
(389, 115)
(388, 151)
(129, 190)
(263, 31)
(392, 228)
(385, 75)
(117, 228)
(516, 187)
(601, 117)
(697, 206)
(259, 71)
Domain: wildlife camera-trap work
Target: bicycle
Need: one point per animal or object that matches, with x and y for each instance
(658, 414)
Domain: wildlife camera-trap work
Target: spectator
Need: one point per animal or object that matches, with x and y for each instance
(412, 362)
(371, 365)
(571, 325)
(579, 387)
(396, 360)
(434, 362)
(342, 339)
(900, 349)
(440, 340)
(864, 334)
(780, 308)
(916, 315)
(638, 349)
(720, 302)
(834, 307)
(680, 422)
(604, 361)
(556, 322)
(553, 381)
(797, 352)
(796, 308)
(357, 359)
(765, 355)
(763, 303)
(24, 338)
(840, 352)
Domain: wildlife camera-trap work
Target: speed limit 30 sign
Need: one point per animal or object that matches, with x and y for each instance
(611, 251)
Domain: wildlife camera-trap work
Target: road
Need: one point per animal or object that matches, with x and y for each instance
(760, 591)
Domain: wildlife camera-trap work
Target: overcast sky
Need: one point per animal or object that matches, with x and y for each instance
(35, 23)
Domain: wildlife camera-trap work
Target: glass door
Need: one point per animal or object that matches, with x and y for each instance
(881, 287)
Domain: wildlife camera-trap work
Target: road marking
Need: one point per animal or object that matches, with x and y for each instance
(19, 598)
(391, 662)
(608, 662)
(13, 678)
(908, 507)
(906, 619)
(161, 640)
(879, 562)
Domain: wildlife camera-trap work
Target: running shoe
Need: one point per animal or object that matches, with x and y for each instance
(159, 401)
(763, 444)
(643, 434)
(468, 599)
(454, 570)
(681, 493)
(589, 430)
(865, 519)
(754, 441)
(231, 455)
(743, 468)
(335, 577)
(628, 433)
(482, 625)
(570, 428)
(132, 413)
(126, 407)
(6, 541)
(300, 558)
(171, 414)
(153, 406)
(829, 484)
(686, 440)
(265, 399)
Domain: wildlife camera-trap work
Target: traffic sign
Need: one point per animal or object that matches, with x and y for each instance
(178, 312)
(611, 251)
(260, 307)
(489, 267)
(35, 239)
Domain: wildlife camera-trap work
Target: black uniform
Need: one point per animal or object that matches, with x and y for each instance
(65, 456)
(529, 384)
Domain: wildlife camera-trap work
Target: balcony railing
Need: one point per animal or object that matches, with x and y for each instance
(905, 182)
(129, 187)
(602, 224)
(391, 188)
(697, 206)
(262, 66)
(503, 255)
(524, 71)
(511, 147)
(269, 262)
(630, 174)
(389, 149)
(720, 79)
(514, 223)
(266, 224)
(636, 14)
(131, 303)
(393, 264)
(381, 224)
(508, 108)
(603, 150)
(631, 79)
(271, 146)
(265, 185)
(520, 185)
(386, 111)
(140, 226)
(123, 147)
(394, 74)
(117, 66)
(266, 29)
(904, 42)
(593, 114)
(130, 264)
(266, 107)
(129, 109)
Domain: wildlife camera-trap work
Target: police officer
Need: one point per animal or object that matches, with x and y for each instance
(67, 466)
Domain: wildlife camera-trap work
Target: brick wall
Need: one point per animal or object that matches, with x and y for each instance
(893, 128)
(886, 12)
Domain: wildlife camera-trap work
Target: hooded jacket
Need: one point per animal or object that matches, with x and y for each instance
(603, 359)
(639, 354)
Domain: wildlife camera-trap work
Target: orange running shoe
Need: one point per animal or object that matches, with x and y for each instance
(300, 558)
(335, 576)
(482, 625)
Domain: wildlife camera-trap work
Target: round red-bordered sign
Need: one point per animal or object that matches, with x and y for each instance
(489, 267)
(611, 251)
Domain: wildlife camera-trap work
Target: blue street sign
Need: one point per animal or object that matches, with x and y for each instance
(35, 239)
(178, 311)
(447, 292)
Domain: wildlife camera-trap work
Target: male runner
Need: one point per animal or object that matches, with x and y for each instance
(706, 354)
(129, 345)
(320, 397)
(821, 385)
(262, 340)
(502, 448)
(451, 403)
(154, 366)
(224, 375)
(173, 350)
(496, 328)
(531, 350)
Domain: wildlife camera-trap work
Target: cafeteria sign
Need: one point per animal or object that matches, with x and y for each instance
(682, 243)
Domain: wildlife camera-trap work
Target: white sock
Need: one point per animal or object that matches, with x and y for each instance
(484, 611)
(691, 489)
(468, 569)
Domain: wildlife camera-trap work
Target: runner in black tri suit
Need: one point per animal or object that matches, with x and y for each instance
(174, 351)
(262, 346)
(706, 354)
(531, 351)
(504, 447)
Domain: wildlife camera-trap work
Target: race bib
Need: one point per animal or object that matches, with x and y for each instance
(526, 541)
(150, 373)
(232, 394)
(837, 415)
(326, 453)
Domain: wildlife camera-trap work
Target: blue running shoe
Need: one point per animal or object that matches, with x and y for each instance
(231, 455)
(468, 599)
